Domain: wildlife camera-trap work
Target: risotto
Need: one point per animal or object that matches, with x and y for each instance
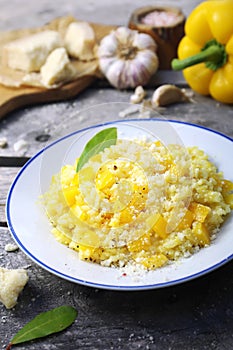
(140, 203)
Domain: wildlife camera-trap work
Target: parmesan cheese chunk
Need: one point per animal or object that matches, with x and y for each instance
(80, 40)
(29, 53)
(57, 68)
(12, 283)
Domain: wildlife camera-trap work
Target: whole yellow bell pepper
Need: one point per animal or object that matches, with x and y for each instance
(207, 50)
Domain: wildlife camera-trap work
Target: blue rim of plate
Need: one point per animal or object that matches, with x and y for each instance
(101, 285)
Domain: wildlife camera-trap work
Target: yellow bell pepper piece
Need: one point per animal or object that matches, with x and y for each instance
(104, 179)
(125, 216)
(154, 261)
(143, 243)
(75, 179)
(201, 233)
(199, 211)
(158, 143)
(85, 174)
(79, 213)
(69, 194)
(227, 192)
(206, 51)
(186, 221)
(138, 201)
(158, 225)
(67, 175)
(85, 252)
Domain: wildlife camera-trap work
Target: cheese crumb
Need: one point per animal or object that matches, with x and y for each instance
(12, 283)
(20, 146)
(11, 247)
(80, 40)
(57, 68)
(29, 53)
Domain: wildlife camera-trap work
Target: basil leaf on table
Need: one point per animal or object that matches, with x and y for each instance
(44, 324)
(103, 139)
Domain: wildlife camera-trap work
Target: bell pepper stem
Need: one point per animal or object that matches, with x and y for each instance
(214, 55)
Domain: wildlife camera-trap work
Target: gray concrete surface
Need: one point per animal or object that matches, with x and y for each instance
(196, 315)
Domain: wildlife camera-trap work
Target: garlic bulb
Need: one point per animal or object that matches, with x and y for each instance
(127, 58)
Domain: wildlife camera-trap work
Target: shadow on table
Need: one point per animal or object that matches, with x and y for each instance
(194, 315)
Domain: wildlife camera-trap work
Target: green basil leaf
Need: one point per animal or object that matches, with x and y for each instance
(46, 323)
(103, 139)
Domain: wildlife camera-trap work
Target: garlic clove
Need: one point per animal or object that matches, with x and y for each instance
(144, 41)
(140, 91)
(106, 62)
(108, 45)
(135, 99)
(115, 74)
(138, 74)
(148, 60)
(130, 75)
(124, 35)
(138, 95)
(168, 94)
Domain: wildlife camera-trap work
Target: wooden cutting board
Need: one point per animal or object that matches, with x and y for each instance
(14, 98)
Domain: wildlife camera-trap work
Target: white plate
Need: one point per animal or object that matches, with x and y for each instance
(31, 229)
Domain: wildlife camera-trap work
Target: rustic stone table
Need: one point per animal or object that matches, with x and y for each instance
(194, 315)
